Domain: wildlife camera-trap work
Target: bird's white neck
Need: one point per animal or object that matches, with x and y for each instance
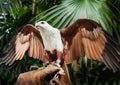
(52, 39)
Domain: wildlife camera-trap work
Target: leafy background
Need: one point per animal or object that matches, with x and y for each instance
(59, 13)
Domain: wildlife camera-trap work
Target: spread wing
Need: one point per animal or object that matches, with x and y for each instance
(28, 39)
(86, 37)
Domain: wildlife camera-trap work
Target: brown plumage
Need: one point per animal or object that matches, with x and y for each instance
(84, 36)
(87, 37)
(28, 39)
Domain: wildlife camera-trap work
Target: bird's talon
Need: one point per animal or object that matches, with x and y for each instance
(57, 64)
(33, 67)
(41, 68)
(46, 63)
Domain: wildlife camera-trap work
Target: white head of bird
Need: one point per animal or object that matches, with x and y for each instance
(43, 25)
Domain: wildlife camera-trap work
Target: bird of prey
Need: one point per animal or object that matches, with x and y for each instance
(46, 43)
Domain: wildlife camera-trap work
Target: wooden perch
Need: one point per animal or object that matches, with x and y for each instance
(49, 75)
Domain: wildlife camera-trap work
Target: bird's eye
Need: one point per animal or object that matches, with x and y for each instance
(42, 22)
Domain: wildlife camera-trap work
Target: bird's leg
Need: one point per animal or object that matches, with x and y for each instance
(46, 63)
(47, 59)
(59, 60)
(33, 67)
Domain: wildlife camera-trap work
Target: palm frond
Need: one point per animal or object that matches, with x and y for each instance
(14, 12)
(68, 11)
(115, 2)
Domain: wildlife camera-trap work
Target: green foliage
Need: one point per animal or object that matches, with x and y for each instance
(99, 10)
(116, 3)
(12, 17)
(94, 73)
(43, 5)
(59, 13)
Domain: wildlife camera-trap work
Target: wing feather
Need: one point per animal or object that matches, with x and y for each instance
(113, 52)
(75, 51)
(18, 54)
(21, 47)
(91, 51)
(86, 45)
(31, 51)
(28, 39)
(114, 59)
(8, 56)
(98, 50)
(94, 54)
(40, 51)
(37, 48)
(9, 59)
(87, 37)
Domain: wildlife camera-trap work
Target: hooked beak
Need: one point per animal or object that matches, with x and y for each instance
(37, 25)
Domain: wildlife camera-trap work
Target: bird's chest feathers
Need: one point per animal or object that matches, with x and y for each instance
(52, 40)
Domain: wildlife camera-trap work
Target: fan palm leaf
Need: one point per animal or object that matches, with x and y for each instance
(115, 2)
(69, 10)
